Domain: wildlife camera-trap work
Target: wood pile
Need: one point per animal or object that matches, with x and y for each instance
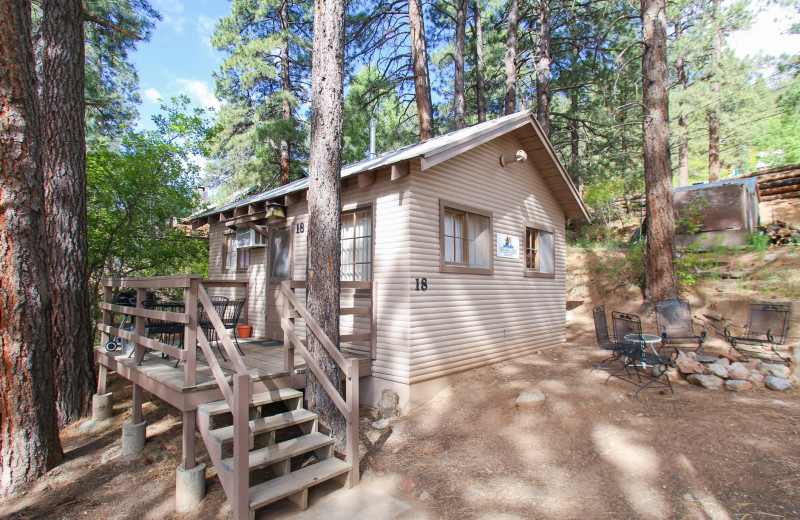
(778, 183)
(781, 233)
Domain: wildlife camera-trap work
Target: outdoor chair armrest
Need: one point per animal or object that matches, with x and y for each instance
(727, 330)
(703, 334)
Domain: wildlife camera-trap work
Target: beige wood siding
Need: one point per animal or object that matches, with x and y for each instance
(255, 307)
(466, 320)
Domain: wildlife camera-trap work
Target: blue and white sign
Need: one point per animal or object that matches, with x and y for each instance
(507, 246)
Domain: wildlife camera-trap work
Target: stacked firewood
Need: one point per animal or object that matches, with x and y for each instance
(779, 183)
(781, 233)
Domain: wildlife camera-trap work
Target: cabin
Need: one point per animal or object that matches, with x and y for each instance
(460, 239)
(453, 257)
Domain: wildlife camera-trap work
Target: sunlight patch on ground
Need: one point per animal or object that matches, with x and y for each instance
(712, 507)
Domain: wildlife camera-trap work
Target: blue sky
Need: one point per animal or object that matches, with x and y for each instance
(179, 58)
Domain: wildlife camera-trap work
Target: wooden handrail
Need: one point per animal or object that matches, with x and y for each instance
(221, 331)
(177, 317)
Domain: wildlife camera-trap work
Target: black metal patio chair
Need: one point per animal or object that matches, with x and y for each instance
(231, 318)
(220, 304)
(168, 332)
(641, 368)
(676, 326)
(604, 340)
(767, 327)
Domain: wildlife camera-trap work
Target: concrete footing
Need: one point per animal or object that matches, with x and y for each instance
(190, 487)
(133, 437)
(102, 407)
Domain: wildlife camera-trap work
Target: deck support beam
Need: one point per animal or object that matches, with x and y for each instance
(188, 439)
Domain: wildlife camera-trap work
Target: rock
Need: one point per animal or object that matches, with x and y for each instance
(688, 496)
(687, 365)
(756, 379)
(730, 357)
(530, 398)
(424, 496)
(408, 484)
(734, 385)
(706, 381)
(672, 375)
(779, 371)
(738, 371)
(718, 370)
(388, 405)
(770, 257)
(723, 361)
(706, 359)
(380, 425)
(727, 287)
(776, 383)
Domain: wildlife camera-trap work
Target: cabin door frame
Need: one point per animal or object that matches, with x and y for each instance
(280, 251)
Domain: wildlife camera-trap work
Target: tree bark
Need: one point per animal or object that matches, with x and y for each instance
(543, 67)
(419, 57)
(324, 201)
(29, 443)
(714, 109)
(480, 88)
(459, 90)
(683, 126)
(64, 171)
(510, 59)
(286, 88)
(661, 280)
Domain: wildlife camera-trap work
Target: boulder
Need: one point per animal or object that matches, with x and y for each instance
(706, 381)
(724, 361)
(687, 365)
(718, 369)
(757, 379)
(738, 371)
(734, 385)
(706, 359)
(779, 371)
(776, 383)
(530, 399)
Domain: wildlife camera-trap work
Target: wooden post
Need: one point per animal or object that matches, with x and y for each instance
(136, 412)
(189, 424)
(107, 318)
(373, 331)
(352, 400)
(241, 433)
(190, 336)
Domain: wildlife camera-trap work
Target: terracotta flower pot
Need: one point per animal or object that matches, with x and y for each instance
(244, 331)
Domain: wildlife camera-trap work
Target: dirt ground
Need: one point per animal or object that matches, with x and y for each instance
(591, 451)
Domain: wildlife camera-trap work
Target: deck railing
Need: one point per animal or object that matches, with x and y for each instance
(237, 393)
(347, 405)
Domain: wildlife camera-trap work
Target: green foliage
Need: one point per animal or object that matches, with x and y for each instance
(600, 197)
(759, 241)
(687, 221)
(137, 194)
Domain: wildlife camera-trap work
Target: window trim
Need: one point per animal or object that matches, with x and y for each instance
(445, 267)
(355, 208)
(226, 235)
(530, 273)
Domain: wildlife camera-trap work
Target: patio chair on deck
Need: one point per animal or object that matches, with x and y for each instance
(168, 332)
(604, 340)
(767, 326)
(643, 369)
(675, 324)
(231, 318)
(220, 304)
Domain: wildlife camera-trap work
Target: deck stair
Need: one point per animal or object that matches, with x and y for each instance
(287, 455)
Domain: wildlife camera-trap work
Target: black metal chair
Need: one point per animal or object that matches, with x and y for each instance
(767, 326)
(220, 304)
(643, 369)
(231, 318)
(166, 331)
(675, 324)
(604, 340)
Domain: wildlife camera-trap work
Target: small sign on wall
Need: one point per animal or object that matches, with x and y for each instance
(507, 246)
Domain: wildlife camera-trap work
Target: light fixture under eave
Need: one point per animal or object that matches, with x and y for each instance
(276, 212)
(520, 156)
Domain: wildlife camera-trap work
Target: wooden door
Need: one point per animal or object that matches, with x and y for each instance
(279, 268)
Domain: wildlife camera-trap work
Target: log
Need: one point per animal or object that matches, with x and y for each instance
(782, 196)
(776, 191)
(778, 176)
(779, 169)
(777, 183)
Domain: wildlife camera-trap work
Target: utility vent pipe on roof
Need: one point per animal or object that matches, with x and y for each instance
(373, 125)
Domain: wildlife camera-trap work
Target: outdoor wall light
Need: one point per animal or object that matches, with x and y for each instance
(520, 156)
(276, 212)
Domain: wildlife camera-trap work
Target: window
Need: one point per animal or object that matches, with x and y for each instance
(279, 248)
(234, 258)
(357, 246)
(539, 252)
(466, 240)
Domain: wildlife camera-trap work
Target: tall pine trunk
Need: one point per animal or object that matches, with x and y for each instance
(543, 67)
(683, 124)
(510, 59)
(661, 280)
(419, 58)
(29, 443)
(458, 94)
(286, 86)
(324, 202)
(480, 88)
(64, 171)
(714, 109)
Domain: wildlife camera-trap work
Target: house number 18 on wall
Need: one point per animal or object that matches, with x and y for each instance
(422, 284)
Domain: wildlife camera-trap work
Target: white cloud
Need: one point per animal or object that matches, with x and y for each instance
(152, 95)
(769, 34)
(199, 91)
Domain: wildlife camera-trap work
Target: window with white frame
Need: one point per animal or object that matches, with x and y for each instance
(466, 240)
(539, 252)
(357, 245)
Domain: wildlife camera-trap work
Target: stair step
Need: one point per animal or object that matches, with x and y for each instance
(284, 450)
(266, 424)
(283, 486)
(272, 396)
